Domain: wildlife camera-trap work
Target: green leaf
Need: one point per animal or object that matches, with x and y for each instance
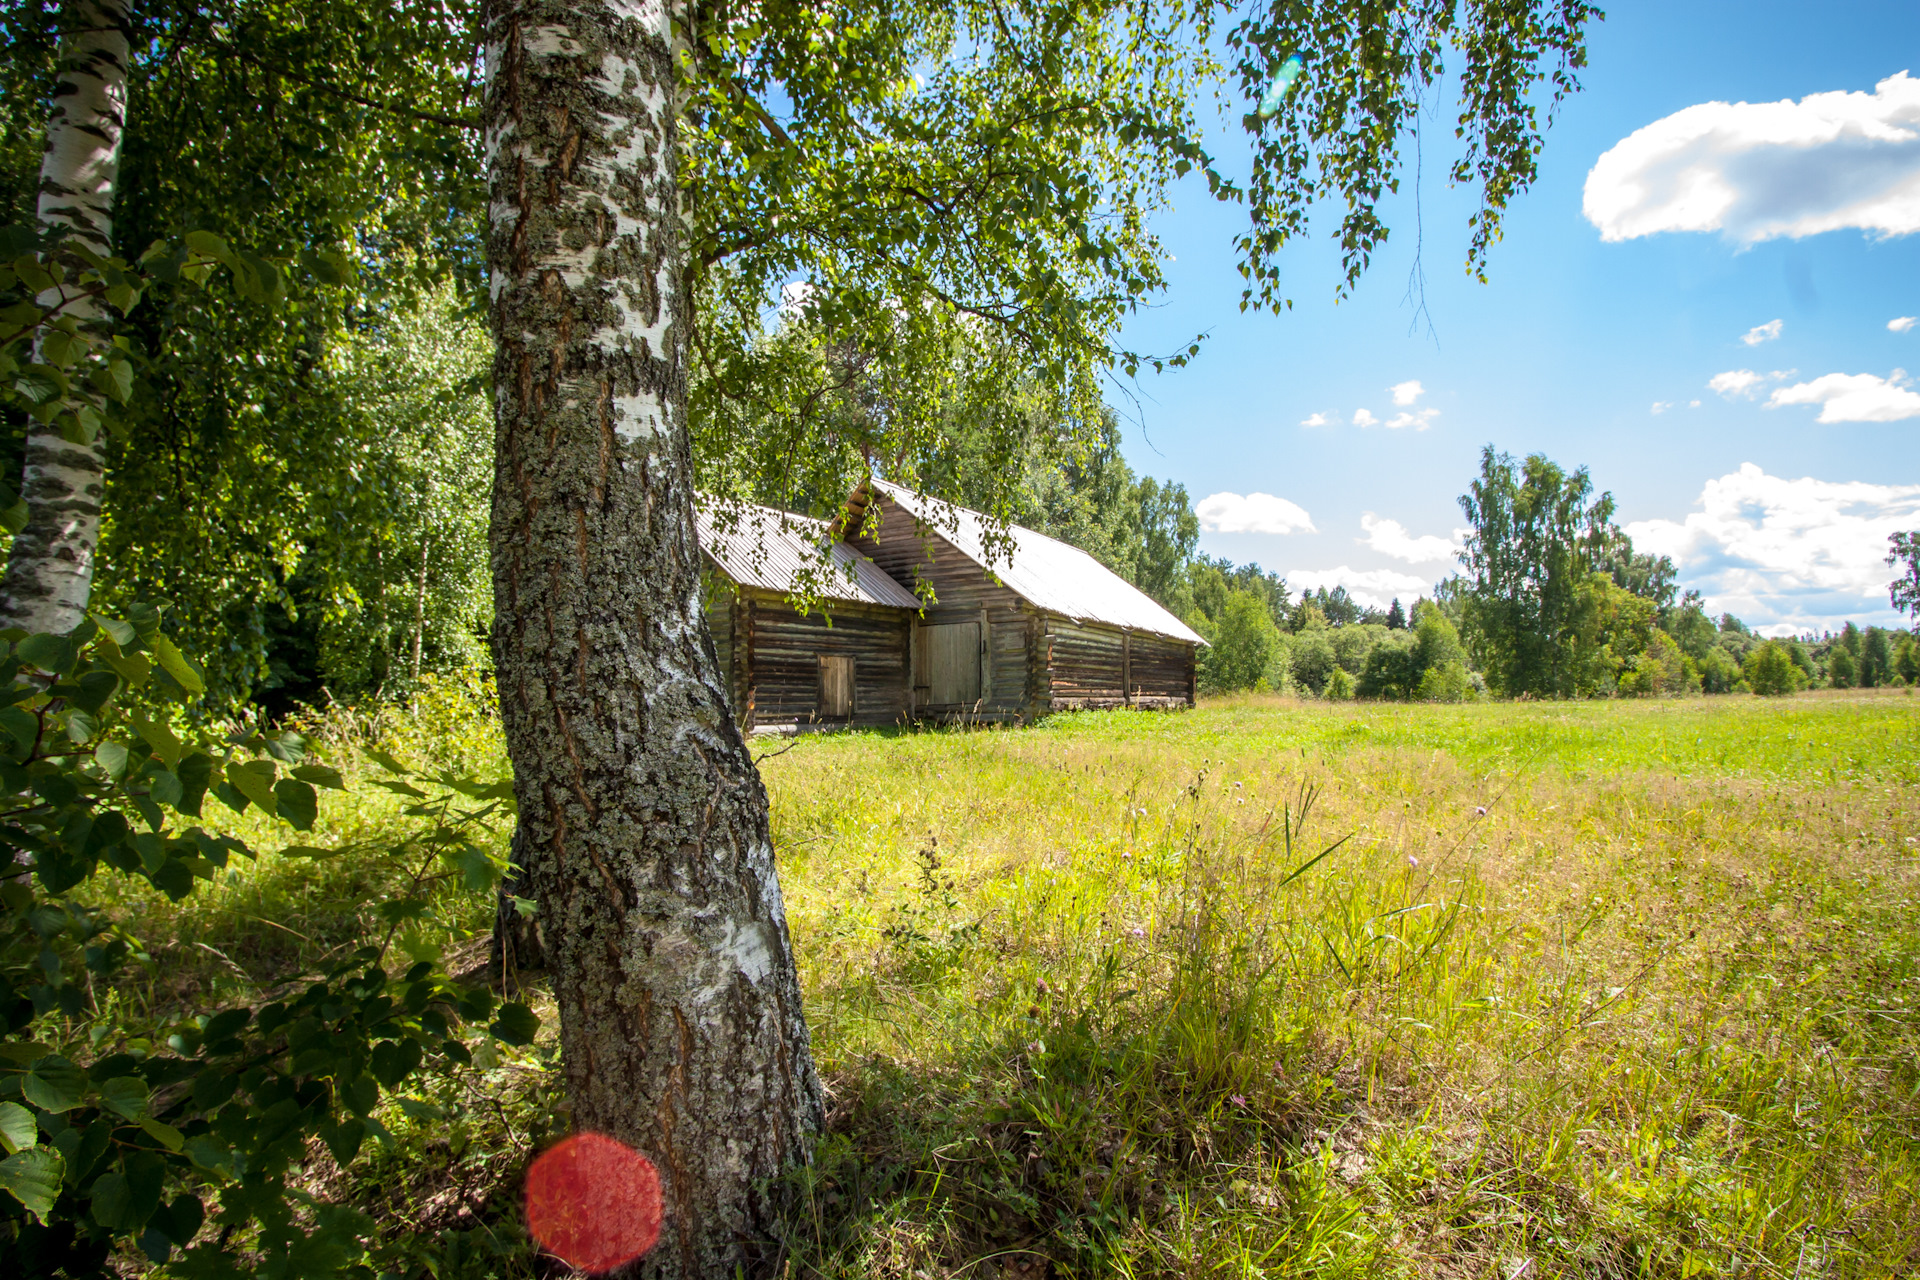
(182, 1219)
(387, 762)
(195, 771)
(209, 245)
(344, 1140)
(399, 788)
(33, 1178)
(254, 780)
(165, 743)
(54, 1084)
(394, 1060)
(299, 804)
(21, 725)
(165, 1134)
(17, 1127)
(113, 1202)
(175, 664)
(516, 1024)
(121, 632)
(126, 1096)
(321, 776)
(56, 654)
(113, 758)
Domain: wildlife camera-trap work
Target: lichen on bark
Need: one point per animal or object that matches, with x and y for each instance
(642, 816)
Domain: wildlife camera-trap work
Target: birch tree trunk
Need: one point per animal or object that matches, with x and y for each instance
(50, 573)
(643, 818)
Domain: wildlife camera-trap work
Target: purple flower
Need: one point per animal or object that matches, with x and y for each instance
(1480, 810)
(1239, 1101)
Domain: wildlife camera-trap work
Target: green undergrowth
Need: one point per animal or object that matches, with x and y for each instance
(1274, 988)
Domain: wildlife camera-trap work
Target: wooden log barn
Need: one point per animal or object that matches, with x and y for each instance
(927, 614)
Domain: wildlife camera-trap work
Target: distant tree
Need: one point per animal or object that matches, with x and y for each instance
(1906, 659)
(1718, 671)
(1904, 554)
(1876, 659)
(1690, 627)
(1241, 643)
(1339, 608)
(1842, 671)
(1537, 535)
(1771, 671)
(1648, 576)
(1313, 659)
(1396, 616)
(1389, 671)
(1339, 686)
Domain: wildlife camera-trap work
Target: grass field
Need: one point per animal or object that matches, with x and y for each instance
(1274, 988)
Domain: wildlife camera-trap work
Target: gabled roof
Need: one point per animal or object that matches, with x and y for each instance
(780, 551)
(1045, 572)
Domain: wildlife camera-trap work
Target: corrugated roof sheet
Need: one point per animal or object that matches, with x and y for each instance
(1047, 573)
(780, 551)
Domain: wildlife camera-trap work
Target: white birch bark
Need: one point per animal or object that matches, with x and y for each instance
(641, 814)
(50, 573)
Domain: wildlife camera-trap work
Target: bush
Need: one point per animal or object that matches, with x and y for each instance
(1719, 673)
(1312, 659)
(1242, 641)
(1448, 682)
(1771, 671)
(116, 1119)
(1340, 686)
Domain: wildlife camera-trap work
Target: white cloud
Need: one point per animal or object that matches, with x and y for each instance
(1374, 588)
(1254, 513)
(1693, 404)
(1314, 420)
(1855, 397)
(1660, 407)
(1365, 418)
(1419, 419)
(1756, 171)
(1762, 333)
(1787, 554)
(1405, 393)
(1900, 324)
(1744, 382)
(1390, 537)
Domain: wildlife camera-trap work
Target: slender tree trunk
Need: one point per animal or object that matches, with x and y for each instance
(419, 609)
(643, 819)
(50, 573)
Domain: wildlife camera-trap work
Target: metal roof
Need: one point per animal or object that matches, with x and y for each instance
(1045, 572)
(780, 551)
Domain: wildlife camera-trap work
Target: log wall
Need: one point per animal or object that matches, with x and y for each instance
(773, 651)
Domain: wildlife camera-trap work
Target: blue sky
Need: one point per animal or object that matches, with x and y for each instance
(1803, 213)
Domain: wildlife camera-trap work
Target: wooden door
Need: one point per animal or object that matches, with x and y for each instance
(836, 688)
(953, 663)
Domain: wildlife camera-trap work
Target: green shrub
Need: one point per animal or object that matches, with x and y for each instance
(1771, 671)
(118, 1120)
(1340, 686)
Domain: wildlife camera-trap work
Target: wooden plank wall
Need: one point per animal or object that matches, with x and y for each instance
(1090, 666)
(783, 648)
(962, 593)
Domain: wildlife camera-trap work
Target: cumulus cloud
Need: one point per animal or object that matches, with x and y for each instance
(1253, 513)
(1314, 420)
(1660, 407)
(1853, 397)
(1405, 393)
(1762, 333)
(1374, 588)
(1390, 537)
(1418, 419)
(1757, 171)
(1365, 418)
(1900, 324)
(1744, 382)
(1787, 555)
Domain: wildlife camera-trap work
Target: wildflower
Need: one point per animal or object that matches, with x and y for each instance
(1137, 932)
(1239, 1101)
(1238, 785)
(1034, 1046)
(1041, 986)
(1480, 811)
(1412, 861)
(1033, 1011)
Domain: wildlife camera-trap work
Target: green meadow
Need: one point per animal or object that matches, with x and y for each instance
(1623, 988)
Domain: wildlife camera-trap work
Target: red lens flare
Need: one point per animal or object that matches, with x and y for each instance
(593, 1202)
